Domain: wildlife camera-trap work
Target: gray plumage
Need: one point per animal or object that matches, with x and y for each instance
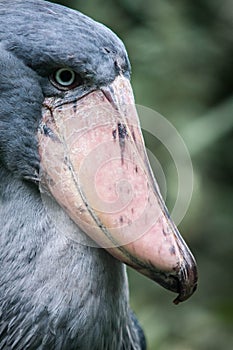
(54, 293)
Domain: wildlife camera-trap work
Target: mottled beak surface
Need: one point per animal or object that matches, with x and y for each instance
(94, 163)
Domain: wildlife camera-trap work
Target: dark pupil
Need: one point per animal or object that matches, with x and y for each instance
(66, 76)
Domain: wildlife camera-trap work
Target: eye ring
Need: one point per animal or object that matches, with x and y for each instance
(65, 79)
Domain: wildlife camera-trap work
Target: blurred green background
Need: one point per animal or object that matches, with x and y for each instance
(181, 54)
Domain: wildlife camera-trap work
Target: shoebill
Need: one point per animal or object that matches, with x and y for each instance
(79, 201)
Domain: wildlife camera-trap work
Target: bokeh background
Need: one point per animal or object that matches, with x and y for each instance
(182, 54)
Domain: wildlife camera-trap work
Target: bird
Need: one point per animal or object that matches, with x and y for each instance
(78, 199)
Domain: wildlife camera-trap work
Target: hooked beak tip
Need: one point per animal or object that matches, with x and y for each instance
(187, 282)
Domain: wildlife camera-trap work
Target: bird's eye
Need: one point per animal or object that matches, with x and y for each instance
(65, 79)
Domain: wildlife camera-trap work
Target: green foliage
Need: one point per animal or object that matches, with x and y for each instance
(181, 56)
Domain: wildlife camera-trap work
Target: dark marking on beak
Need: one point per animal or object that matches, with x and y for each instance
(122, 131)
(44, 129)
(75, 106)
(114, 134)
(122, 134)
(172, 250)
